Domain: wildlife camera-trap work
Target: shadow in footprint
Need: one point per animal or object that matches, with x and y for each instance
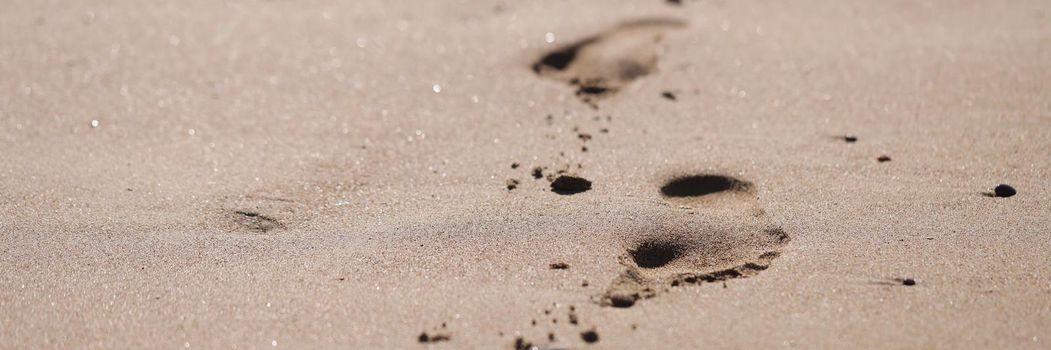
(731, 238)
(255, 222)
(255, 214)
(701, 185)
(652, 254)
(600, 65)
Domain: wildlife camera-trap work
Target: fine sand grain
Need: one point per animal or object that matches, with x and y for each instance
(516, 174)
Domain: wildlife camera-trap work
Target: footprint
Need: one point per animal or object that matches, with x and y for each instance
(254, 222)
(255, 214)
(724, 235)
(702, 186)
(710, 191)
(600, 65)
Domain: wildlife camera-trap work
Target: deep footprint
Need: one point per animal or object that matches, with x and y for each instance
(652, 254)
(701, 185)
(600, 65)
(730, 238)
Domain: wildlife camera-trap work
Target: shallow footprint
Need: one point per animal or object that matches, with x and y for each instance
(253, 214)
(254, 222)
(601, 64)
(725, 236)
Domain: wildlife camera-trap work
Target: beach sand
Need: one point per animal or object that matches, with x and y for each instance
(316, 174)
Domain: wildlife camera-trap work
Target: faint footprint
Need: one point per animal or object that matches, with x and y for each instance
(601, 64)
(254, 222)
(256, 214)
(721, 234)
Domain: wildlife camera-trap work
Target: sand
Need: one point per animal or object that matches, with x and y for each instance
(314, 174)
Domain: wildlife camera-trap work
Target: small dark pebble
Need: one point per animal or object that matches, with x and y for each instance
(674, 2)
(908, 282)
(514, 165)
(604, 130)
(668, 94)
(584, 149)
(1004, 191)
(566, 184)
(559, 266)
(589, 336)
(512, 184)
(424, 338)
(538, 172)
(850, 138)
(551, 336)
(522, 344)
(584, 284)
(584, 136)
(883, 158)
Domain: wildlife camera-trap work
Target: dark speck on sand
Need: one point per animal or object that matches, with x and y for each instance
(568, 184)
(1004, 191)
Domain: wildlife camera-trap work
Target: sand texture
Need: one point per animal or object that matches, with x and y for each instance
(512, 174)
